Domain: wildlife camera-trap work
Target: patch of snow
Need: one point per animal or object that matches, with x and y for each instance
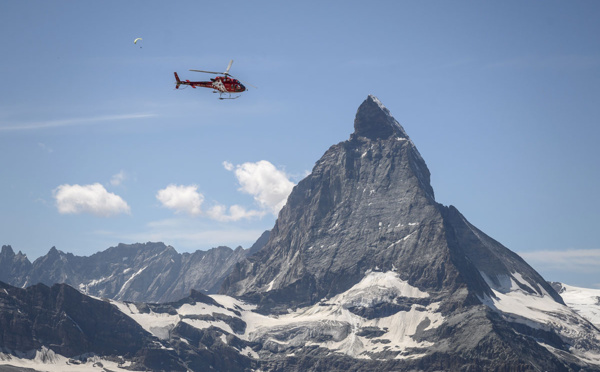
(401, 240)
(98, 281)
(377, 287)
(159, 324)
(304, 326)
(249, 352)
(74, 322)
(126, 284)
(585, 301)
(334, 319)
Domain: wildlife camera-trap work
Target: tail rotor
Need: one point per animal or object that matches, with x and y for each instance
(177, 81)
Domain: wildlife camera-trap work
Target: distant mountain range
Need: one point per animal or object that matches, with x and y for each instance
(363, 271)
(149, 272)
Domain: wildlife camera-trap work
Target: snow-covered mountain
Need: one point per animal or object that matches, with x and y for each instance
(345, 332)
(265, 342)
(368, 207)
(60, 329)
(365, 271)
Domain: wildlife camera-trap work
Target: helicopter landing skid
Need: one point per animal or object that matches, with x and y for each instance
(229, 95)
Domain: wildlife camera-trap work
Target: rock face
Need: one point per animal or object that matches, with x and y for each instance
(150, 272)
(12, 265)
(60, 321)
(368, 204)
(68, 321)
(368, 209)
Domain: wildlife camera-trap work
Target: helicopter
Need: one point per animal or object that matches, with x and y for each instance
(224, 85)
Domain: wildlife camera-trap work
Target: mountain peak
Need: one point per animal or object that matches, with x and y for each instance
(7, 251)
(374, 121)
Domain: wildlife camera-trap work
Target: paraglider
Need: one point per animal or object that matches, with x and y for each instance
(136, 41)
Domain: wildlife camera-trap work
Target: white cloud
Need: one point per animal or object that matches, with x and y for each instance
(228, 165)
(191, 234)
(581, 260)
(118, 178)
(269, 186)
(236, 213)
(181, 199)
(94, 199)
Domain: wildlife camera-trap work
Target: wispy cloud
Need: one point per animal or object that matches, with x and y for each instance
(577, 260)
(45, 148)
(556, 62)
(235, 213)
(118, 178)
(70, 122)
(191, 234)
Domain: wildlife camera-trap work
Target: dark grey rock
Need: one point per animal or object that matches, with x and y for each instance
(149, 272)
(368, 206)
(66, 321)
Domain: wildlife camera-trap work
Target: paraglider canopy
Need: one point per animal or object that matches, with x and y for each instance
(136, 40)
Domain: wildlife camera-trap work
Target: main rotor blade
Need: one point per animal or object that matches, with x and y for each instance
(228, 67)
(243, 82)
(208, 72)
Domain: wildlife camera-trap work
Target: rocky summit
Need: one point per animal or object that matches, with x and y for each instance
(364, 234)
(368, 205)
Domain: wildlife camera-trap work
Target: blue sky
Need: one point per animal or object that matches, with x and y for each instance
(501, 99)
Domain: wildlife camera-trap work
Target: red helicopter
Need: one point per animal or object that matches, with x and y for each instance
(225, 84)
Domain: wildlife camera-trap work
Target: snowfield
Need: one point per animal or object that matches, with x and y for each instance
(329, 324)
(585, 301)
(540, 311)
(333, 323)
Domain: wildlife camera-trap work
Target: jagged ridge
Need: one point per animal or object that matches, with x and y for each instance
(150, 272)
